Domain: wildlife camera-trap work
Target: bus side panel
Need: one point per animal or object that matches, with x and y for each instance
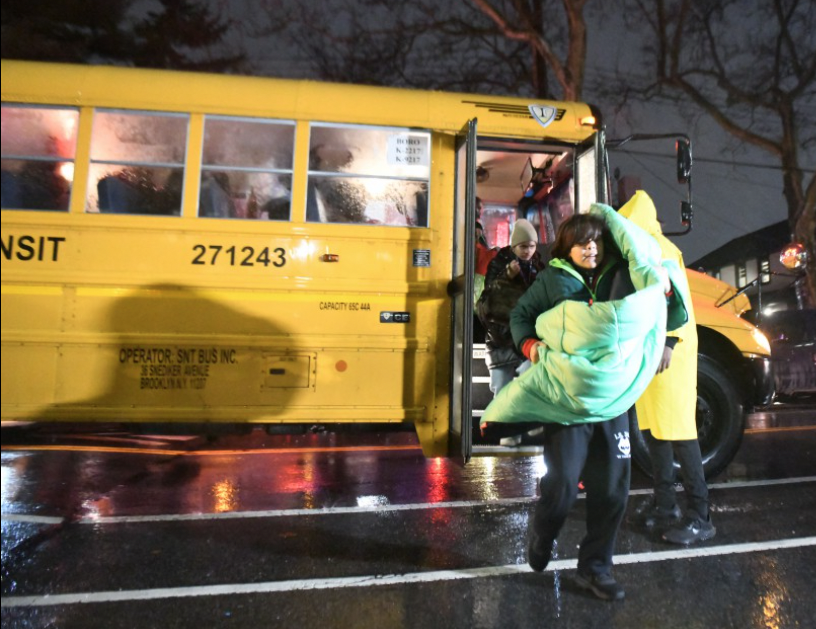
(352, 340)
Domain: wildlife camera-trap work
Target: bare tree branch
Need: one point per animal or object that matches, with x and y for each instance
(757, 86)
(526, 24)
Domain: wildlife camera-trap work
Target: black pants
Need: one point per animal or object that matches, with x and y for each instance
(662, 454)
(598, 454)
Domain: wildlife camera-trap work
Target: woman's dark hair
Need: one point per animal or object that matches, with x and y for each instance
(577, 230)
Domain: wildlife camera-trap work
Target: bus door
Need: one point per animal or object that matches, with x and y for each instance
(590, 182)
(464, 231)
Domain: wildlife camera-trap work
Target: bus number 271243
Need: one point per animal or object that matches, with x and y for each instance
(235, 256)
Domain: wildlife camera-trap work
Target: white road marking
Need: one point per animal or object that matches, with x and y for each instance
(31, 519)
(762, 483)
(278, 513)
(389, 579)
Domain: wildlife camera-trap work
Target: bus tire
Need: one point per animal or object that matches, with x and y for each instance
(720, 421)
(720, 417)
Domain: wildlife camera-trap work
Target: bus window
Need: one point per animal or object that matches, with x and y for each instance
(246, 168)
(38, 149)
(137, 163)
(368, 175)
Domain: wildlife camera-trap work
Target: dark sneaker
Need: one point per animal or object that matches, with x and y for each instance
(539, 552)
(692, 529)
(603, 586)
(651, 517)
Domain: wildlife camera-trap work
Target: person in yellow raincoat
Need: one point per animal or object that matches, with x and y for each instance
(666, 415)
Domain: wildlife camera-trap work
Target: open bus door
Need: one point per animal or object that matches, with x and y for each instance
(590, 179)
(464, 234)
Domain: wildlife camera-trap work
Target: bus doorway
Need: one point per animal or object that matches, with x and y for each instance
(514, 179)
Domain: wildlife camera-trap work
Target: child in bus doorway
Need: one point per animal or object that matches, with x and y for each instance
(667, 415)
(510, 273)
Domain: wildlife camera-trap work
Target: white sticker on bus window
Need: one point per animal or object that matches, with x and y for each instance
(406, 149)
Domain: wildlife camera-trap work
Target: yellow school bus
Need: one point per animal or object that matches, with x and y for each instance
(183, 247)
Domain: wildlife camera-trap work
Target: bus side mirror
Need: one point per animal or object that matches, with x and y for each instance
(683, 147)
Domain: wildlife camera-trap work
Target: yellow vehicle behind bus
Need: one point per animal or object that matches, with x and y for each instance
(184, 247)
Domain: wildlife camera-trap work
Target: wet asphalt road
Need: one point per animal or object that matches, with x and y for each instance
(107, 529)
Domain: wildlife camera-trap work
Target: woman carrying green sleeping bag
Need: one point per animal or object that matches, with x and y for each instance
(593, 324)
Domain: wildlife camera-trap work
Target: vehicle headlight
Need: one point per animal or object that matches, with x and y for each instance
(761, 340)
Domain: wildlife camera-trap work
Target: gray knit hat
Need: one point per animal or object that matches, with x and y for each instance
(523, 231)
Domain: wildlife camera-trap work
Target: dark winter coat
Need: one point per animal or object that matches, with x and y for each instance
(498, 300)
(561, 281)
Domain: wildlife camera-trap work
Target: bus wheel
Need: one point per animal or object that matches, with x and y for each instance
(720, 421)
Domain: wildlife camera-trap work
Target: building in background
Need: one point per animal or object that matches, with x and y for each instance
(751, 262)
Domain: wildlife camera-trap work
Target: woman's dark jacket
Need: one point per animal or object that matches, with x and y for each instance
(560, 281)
